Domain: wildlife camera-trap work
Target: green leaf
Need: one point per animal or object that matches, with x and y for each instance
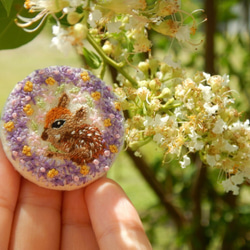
(7, 5)
(92, 59)
(12, 36)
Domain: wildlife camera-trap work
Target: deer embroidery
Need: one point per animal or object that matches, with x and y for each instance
(74, 140)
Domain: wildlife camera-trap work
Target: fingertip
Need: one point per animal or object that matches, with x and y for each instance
(115, 221)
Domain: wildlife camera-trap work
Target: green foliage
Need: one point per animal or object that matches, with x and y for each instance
(7, 5)
(91, 58)
(12, 36)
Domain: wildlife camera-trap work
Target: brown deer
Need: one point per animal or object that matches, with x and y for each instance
(73, 139)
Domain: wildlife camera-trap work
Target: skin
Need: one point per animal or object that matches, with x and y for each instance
(99, 216)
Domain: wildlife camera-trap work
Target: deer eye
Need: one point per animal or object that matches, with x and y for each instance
(58, 123)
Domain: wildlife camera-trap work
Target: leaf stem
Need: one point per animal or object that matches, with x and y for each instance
(108, 60)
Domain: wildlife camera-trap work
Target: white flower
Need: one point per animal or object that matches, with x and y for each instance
(158, 138)
(229, 147)
(183, 34)
(143, 93)
(206, 92)
(138, 154)
(61, 41)
(240, 125)
(210, 109)
(190, 104)
(141, 41)
(219, 126)
(206, 75)
(186, 161)
(231, 183)
(94, 17)
(195, 144)
(238, 178)
(168, 60)
(114, 27)
(212, 160)
(158, 120)
(225, 80)
(228, 185)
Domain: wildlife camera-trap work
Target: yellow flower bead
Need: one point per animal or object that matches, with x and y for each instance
(107, 122)
(26, 150)
(52, 173)
(28, 87)
(28, 109)
(96, 95)
(50, 81)
(118, 106)
(84, 170)
(113, 148)
(9, 126)
(85, 76)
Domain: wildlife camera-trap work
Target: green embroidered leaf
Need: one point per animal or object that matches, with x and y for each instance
(52, 148)
(60, 89)
(75, 90)
(92, 59)
(34, 126)
(41, 103)
(90, 102)
(7, 5)
(12, 36)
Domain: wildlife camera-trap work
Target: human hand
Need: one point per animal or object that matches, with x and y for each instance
(99, 216)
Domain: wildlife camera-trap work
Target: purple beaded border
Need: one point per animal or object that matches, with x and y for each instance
(68, 171)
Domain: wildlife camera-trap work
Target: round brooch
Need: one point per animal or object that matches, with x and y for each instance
(62, 127)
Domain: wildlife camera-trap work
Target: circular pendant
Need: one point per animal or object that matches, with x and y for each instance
(62, 127)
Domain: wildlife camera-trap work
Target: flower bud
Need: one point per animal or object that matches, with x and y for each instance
(155, 84)
(143, 83)
(107, 48)
(73, 17)
(165, 93)
(143, 66)
(164, 68)
(80, 31)
(142, 93)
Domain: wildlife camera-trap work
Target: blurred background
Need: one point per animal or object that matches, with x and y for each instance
(180, 208)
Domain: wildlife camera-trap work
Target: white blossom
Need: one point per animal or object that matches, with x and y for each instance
(168, 60)
(228, 185)
(186, 161)
(195, 144)
(229, 147)
(219, 126)
(114, 27)
(225, 80)
(94, 17)
(61, 40)
(231, 183)
(210, 109)
(206, 75)
(183, 34)
(158, 138)
(206, 92)
(212, 159)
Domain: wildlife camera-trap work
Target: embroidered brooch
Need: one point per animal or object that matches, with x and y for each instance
(62, 127)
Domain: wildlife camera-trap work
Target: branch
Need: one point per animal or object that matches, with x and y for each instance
(196, 196)
(149, 176)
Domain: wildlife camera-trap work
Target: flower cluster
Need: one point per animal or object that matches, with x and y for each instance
(123, 23)
(180, 114)
(198, 117)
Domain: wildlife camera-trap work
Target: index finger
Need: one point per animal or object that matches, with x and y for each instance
(9, 189)
(115, 221)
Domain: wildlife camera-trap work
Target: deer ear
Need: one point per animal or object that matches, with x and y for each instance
(63, 101)
(81, 114)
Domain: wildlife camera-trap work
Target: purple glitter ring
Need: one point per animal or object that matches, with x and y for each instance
(62, 127)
